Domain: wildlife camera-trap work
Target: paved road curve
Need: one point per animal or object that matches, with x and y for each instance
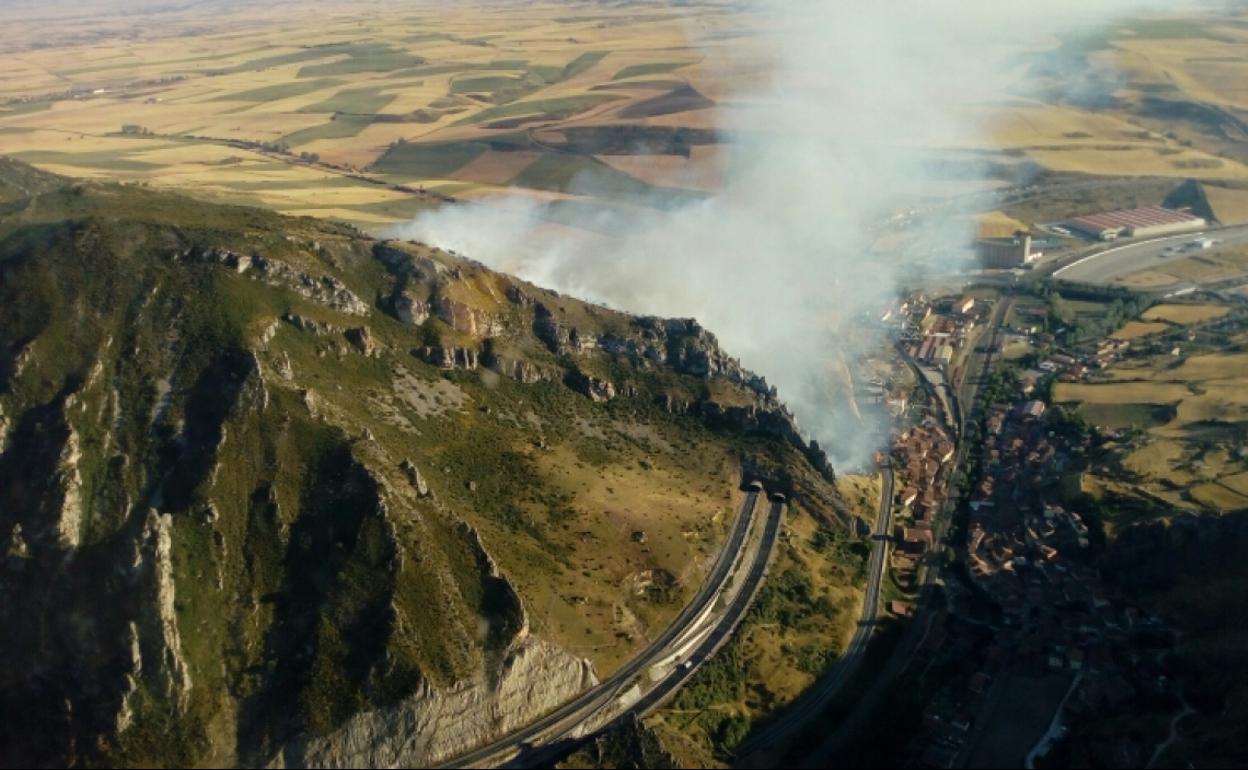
(581, 707)
(811, 704)
(1118, 261)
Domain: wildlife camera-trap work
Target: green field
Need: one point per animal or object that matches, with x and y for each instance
(429, 161)
(354, 101)
(109, 161)
(339, 127)
(486, 83)
(283, 90)
(278, 60)
(364, 58)
(655, 68)
(1125, 415)
(558, 108)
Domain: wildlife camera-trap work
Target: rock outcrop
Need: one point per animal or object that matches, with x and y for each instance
(415, 477)
(402, 261)
(409, 308)
(465, 318)
(17, 548)
(467, 359)
(361, 338)
(776, 422)
(324, 290)
(558, 338)
(593, 388)
(68, 480)
(134, 669)
(518, 369)
(309, 325)
(433, 725)
(162, 661)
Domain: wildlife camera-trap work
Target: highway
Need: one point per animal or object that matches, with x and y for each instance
(563, 720)
(705, 649)
(1109, 264)
(812, 703)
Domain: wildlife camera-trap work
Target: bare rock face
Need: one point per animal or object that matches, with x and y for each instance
(528, 678)
(68, 479)
(325, 290)
(432, 725)
(17, 548)
(519, 370)
(362, 339)
(414, 476)
(161, 644)
(466, 319)
(134, 668)
(558, 338)
(283, 367)
(309, 325)
(594, 388)
(404, 262)
(517, 296)
(410, 309)
(467, 359)
(4, 429)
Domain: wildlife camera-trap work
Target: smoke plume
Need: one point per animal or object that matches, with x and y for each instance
(781, 263)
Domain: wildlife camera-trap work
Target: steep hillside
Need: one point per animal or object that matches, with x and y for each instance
(273, 491)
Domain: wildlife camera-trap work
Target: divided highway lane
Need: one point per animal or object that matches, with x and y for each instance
(585, 705)
(1117, 261)
(811, 704)
(731, 619)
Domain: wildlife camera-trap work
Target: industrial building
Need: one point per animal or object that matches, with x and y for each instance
(1136, 223)
(1007, 253)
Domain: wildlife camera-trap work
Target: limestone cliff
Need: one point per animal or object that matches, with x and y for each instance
(432, 725)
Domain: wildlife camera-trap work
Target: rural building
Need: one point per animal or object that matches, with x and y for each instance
(1007, 253)
(1136, 223)
(913, 540)
(1033, 409)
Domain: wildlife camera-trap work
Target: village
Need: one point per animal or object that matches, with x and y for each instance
(1028, 622)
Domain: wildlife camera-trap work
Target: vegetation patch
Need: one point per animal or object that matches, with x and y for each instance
(556, 108)
(355, 101)
(277, 91)
(650, 68)
(376, 57)
(337, 127)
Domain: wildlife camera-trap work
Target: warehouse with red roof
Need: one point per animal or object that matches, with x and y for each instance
(1136, 223)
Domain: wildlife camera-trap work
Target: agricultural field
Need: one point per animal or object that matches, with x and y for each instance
(1178, 408)
(371, 112)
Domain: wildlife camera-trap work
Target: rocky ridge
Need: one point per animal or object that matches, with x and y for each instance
(277, 487)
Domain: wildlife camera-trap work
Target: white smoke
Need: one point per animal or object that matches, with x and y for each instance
(779, 264)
